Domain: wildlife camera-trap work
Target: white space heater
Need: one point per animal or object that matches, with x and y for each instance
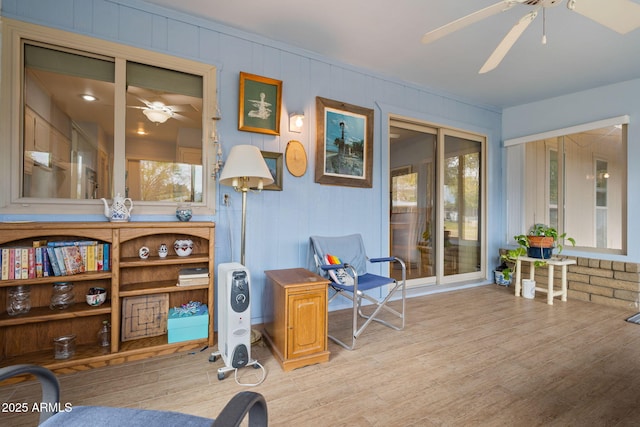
(234, 318)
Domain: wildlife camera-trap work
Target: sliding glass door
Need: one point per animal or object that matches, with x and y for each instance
(462, 204)
(437, 189)
(413, 195)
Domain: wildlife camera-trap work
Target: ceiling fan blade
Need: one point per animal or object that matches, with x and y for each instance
(621, 16)
(507, 42)
(465, 21)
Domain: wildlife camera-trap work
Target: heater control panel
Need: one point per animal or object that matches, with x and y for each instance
(239, 291)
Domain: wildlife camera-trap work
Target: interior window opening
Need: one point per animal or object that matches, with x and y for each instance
(67, 123)
(576, 182)
(93, 123)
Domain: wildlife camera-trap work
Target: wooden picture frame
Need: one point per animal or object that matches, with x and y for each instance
(344, 148)
(259, 106)
(275, 164)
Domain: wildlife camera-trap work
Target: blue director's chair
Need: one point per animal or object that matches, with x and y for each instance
(343, 260)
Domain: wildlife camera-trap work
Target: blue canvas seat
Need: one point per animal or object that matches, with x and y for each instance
(243, 404)
(350, 279)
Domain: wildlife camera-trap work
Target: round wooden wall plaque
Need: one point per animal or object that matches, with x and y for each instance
(296, 158)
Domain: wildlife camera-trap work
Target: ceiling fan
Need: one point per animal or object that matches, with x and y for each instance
(157, 112)
(164, 106)
(621, 16)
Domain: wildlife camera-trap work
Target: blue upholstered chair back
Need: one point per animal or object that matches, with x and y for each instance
(350, 250)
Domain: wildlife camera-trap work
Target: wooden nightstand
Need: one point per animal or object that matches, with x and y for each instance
(297, 334)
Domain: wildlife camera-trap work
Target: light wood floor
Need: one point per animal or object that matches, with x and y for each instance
(477, 357)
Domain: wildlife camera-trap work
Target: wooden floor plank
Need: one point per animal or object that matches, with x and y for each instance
(474, 357)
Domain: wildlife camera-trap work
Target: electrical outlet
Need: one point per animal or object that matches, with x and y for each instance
(225, 199)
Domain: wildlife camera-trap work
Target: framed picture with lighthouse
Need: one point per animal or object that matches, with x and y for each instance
(344, 151)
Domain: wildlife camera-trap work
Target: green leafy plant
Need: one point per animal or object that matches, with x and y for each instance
(523, 245)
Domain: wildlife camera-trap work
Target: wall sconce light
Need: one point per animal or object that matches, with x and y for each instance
(296, 121)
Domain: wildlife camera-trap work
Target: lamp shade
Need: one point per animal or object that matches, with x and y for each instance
(245, 161)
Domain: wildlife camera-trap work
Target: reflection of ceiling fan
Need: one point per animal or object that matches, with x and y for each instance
(159, 111)
(619, 15)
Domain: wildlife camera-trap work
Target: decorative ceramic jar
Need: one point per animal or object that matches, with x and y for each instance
(143, 252)
(183, 247)
(163, 251)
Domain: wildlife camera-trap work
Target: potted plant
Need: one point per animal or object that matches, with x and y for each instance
(539, 242)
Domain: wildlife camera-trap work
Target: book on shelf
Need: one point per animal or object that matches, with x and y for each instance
(91, 258)
(60, 258)
(106, 257)
(73, 243)
(100, 258)
(193, 272)
(57, 250)
(5, 263)
(53, 261)
(39, 263)
(31, 263)
(46, 264)
(197, 281)
(72, 257)
(193, 276)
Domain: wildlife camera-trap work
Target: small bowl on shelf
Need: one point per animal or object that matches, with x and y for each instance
(96, 296)
(184, 212)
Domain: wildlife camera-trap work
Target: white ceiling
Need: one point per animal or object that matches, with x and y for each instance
(384, 36)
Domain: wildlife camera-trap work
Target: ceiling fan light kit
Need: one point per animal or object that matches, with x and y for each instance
(157, 112)
(621, 16)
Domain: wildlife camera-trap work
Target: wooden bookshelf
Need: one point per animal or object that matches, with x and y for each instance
(28, 338)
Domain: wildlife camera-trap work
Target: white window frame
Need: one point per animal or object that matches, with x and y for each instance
(515, 154)
(11, 83)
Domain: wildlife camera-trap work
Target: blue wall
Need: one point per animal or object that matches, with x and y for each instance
(279, 223)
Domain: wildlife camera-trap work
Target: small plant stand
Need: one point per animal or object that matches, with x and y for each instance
(551, 264)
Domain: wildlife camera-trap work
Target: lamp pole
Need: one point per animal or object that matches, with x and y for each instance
(245, 188)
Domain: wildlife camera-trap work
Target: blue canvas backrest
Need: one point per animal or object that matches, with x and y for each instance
(350, 250)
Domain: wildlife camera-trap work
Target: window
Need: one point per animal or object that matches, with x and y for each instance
(575, 180)
(93, 123)
(601, 179)
(68, 122)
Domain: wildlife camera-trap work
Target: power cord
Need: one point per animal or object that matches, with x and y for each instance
(260, 381)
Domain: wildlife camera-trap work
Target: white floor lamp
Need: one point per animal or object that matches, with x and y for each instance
(244, 170)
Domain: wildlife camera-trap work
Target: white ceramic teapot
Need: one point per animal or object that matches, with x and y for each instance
(118, 212)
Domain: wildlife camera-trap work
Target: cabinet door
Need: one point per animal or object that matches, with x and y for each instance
(307, 329)
(29, 139)
(191, 156)
(42, 137)
(29, 130)
(61, 149)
